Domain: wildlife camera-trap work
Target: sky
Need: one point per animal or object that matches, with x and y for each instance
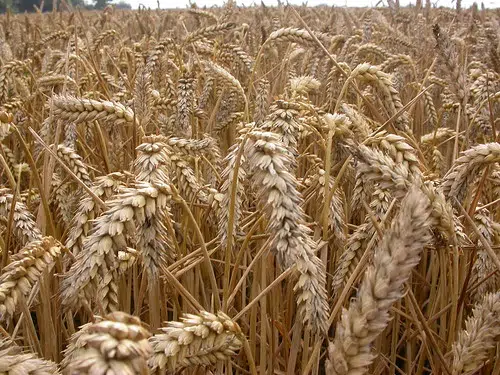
(209, 3)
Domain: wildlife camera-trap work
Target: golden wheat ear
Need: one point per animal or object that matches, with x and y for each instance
(116, 344)
(480, 336)
(198, 340)
(77, 110)
(270, 163)
(368, 314)
(14, 361)
(467, 166)
(25, 270)
(25, 227)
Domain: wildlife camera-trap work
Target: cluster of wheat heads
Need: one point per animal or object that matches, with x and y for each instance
(250, 191)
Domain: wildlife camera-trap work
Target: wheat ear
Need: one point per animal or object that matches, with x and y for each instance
(207, 147)
(448, 56)
(103, 187)
(152, 159)
(5, 124)
(354, 247)
(115, 345)
(380, 168)
(75, 162)
(97, 265)
(483, 265)
(300, 36)
(25, 227)
(271, 163)
(24, 271)
(199, 340)
(209, 31)
(13, 361)
(63, 198)
(226, 191)
(397, 147)
(467, 166)
(151, 166)
(226, 77)
(368, 315)
(282, 120)
(481, 333)
(262, 101)
(79, 110)
(384, 83)
(185, 103)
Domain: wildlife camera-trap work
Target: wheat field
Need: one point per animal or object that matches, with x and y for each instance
(264, 190)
